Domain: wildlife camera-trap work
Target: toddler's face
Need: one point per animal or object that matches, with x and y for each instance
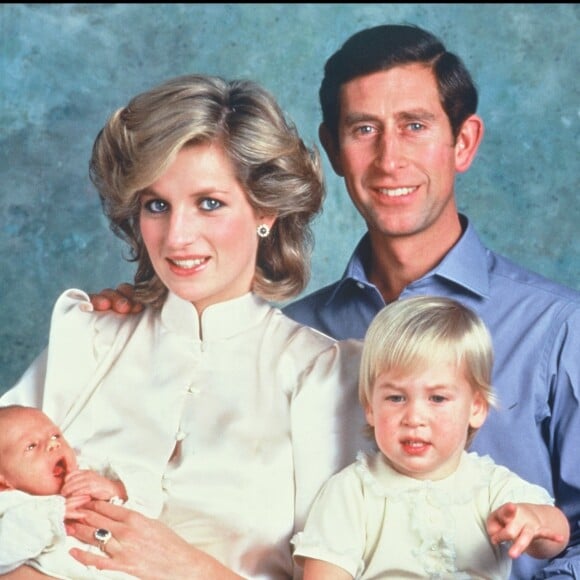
(34, 456)
(421, 418)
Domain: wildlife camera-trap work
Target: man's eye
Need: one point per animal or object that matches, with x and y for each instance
(364, 129)
(210, 204)
(55, 437)
(415, 126)
(155, 206)
(31, 446)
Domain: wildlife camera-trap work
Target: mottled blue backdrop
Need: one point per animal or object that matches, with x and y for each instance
(65, 67)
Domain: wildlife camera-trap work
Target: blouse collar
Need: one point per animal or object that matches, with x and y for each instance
(218, 321)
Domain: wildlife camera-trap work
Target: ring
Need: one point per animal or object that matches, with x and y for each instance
(102, 536)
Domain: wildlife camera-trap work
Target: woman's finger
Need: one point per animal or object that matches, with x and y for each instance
(99, 508)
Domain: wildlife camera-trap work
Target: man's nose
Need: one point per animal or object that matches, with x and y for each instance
(389, 154)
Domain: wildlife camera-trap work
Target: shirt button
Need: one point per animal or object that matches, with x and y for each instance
(181, 435)
(360, 285)
(192, 389)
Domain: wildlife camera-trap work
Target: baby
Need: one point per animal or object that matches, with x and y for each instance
(41, 486)
(423, 506)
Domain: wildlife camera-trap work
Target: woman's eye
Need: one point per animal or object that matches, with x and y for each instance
(155, 206)
(210, 204)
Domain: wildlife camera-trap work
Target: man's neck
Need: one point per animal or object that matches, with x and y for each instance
(398, 261)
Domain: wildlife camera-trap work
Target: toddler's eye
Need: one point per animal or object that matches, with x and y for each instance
(394, 398)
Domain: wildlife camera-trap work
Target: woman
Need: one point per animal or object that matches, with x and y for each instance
(242, 412)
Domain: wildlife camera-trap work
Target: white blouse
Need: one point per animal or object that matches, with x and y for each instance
(239, 417)
(377, 523)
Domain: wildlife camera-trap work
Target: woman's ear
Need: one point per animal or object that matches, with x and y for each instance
(467, 142)
(331, 148)
(267, 220)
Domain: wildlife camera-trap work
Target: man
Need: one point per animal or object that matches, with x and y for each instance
(399, 121)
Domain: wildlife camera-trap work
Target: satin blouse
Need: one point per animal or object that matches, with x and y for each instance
(239, 417)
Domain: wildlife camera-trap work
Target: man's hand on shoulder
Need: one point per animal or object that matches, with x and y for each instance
(119, 300)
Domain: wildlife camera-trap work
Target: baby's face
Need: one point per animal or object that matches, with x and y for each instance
(34, 456)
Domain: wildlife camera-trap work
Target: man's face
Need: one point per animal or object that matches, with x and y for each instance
(397, 153)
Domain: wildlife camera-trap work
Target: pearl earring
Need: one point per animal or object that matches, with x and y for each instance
(263, 230)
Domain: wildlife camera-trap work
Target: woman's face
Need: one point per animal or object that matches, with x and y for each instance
(199, 228)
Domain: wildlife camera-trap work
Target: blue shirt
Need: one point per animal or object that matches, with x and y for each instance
(535, 325)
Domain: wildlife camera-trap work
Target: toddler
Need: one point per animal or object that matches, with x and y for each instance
(423, 507)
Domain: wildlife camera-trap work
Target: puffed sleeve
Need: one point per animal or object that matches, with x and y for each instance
(28, 526)
(83, 346)
(327, 422)
(71, 348)
(335, 528)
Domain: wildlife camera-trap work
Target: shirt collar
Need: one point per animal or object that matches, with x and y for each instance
(465, 264)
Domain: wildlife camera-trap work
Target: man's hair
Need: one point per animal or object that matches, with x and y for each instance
(387, 46)
(412, 333)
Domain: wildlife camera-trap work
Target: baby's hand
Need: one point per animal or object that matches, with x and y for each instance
(87, 482)
(72, 505)
(519, 524)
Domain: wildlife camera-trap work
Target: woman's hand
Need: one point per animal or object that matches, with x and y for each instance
(119, 300)
(141, 546)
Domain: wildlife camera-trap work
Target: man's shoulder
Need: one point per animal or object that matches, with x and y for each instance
(311, 301)
(522, 282)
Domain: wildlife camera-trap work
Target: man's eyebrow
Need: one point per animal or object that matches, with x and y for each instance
(416, 114)
(410, 115)
(353, 118)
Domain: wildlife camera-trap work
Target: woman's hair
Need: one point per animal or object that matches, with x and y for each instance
(279, 173)
(412, 333)
(387, 46)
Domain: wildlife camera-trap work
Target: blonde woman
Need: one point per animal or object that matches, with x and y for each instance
(242, 412)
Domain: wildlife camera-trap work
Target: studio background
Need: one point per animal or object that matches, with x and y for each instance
(65, 67)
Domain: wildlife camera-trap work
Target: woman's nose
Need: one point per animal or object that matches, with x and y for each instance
(183, 228)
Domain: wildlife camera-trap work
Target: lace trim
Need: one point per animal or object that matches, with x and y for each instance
(436, 548)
